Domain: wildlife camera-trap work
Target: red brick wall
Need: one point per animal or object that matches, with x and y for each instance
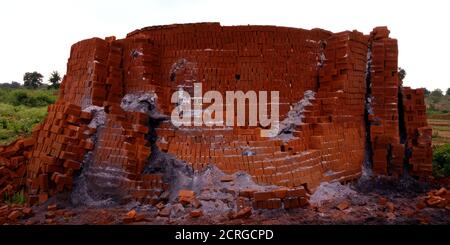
(329, 145)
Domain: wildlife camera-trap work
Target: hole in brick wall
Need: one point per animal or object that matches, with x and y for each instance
(237, 76)
(107, 109)
(389, 160)
(283, 148)
(135, 54)
(306, 188)
(173, 76)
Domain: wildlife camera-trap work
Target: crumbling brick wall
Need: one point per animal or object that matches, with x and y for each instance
(353, 76)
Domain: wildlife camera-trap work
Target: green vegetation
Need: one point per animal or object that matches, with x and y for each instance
(16, 198)
(27, 97)
(54, 80)
(32, 80)
(23, 106)
(437, 93)
(21, 109)
(401, 73)
(441, 161)
(437, 103)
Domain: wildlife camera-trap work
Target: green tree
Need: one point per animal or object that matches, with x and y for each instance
(54, 80)
(441, 161)
(437, 93)
(448, 92)
(32, 79)
(401, 73)
(427, 92)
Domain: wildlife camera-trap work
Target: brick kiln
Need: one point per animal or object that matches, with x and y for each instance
(359, 114)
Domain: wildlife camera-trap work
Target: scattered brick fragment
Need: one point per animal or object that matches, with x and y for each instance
(196, 213)
(186, 197)
(343, 205)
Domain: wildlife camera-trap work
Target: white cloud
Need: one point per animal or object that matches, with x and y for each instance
(37, 35)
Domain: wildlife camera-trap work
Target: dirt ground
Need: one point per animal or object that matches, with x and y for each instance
(370, 202)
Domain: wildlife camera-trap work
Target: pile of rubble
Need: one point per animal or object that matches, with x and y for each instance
(436, 199)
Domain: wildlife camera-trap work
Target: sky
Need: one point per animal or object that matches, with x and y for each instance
(37, 35)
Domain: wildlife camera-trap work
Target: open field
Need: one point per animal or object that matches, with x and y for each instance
(20, 110)
(441, 128)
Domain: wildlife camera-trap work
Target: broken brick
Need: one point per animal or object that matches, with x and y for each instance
(343, 205)
(196, 213)
(244, 213)
(227, 178)
(14, 215)
(186, 197)
(52, 207)
(132, 214)
(262, 195)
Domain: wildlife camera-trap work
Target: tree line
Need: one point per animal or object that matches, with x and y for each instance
(437, 92)
(34, 80)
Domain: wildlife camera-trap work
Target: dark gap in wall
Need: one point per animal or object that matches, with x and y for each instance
(368, 161)
(237, 77)
(389, 160)
(401, 117)
(403, 131)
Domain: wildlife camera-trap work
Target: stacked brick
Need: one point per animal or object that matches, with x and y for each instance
(149, 189)
(419, 134)
(113, 83)
(61, 143)
(84, 83)
(384, 130)
(141, 66)
(259, 58)
(280, 198)
(13, 160)
(329, 145)
(303, 161)
(121, 143)
(336, 128)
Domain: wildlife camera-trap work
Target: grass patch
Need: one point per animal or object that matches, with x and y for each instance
(28, 97)
(16, 121)
(21, 109)
(432, 111)
(16, 198)
(441, 161)
(441, 128)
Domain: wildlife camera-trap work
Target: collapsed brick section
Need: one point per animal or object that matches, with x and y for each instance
(329, 144)
(60, 143)
(120, 155)
(13, 167)
(419, 134)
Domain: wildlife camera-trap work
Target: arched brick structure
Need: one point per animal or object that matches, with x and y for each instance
(338, 133)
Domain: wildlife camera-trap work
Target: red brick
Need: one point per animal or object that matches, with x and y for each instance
(196, 213)
(262, 195)
(186, 197)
